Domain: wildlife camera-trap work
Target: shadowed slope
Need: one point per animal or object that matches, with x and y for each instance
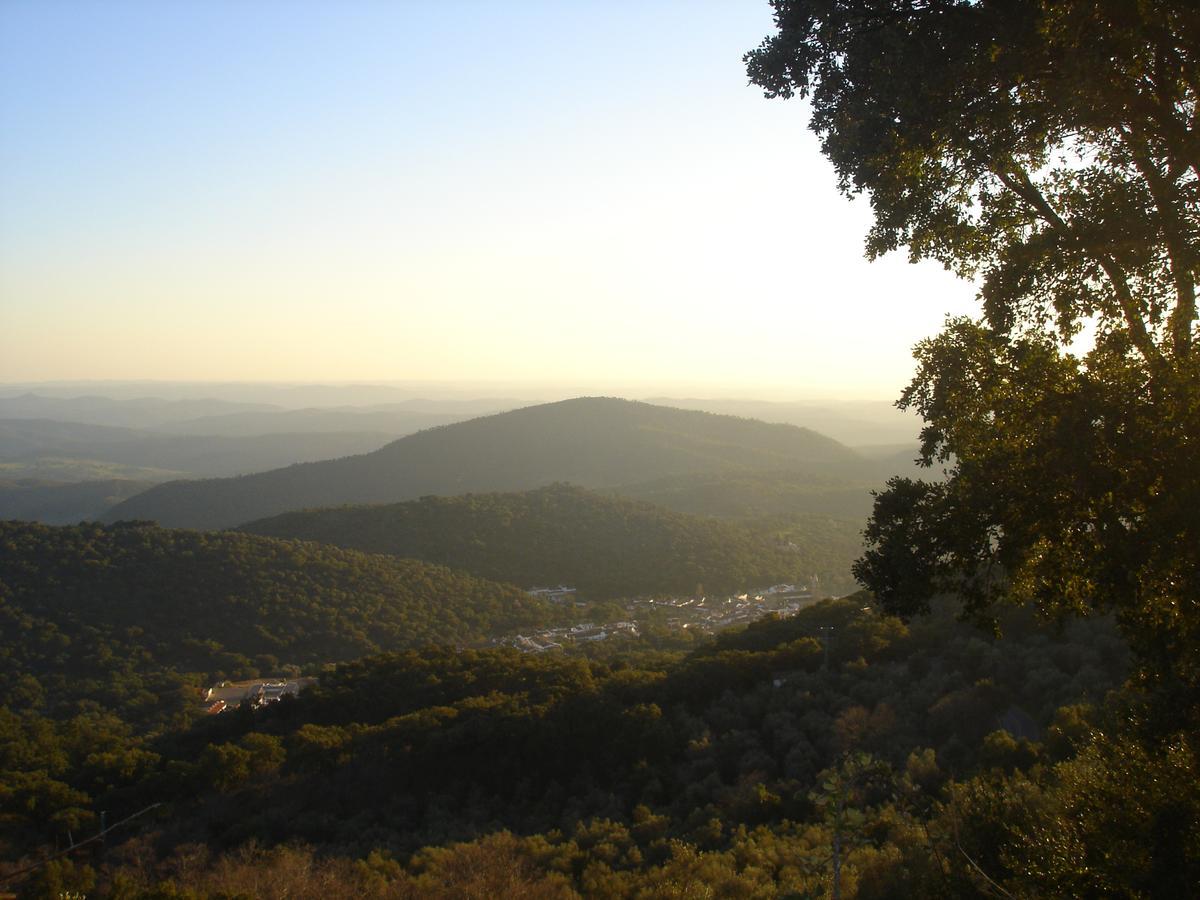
(604, 546)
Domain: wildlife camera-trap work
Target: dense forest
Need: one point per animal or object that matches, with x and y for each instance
(912, 754)
(606, 547)
(595, 442)
(129, 617)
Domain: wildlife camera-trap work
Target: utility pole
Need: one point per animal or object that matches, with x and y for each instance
(837, 849)
(826, 639)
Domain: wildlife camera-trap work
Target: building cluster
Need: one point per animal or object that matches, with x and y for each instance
(556, 638)
(705, 614)
(709, 614)
(257, 692)
(560, 595)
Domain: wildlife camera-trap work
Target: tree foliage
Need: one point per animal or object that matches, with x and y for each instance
(1051, 151)
(1050, 148)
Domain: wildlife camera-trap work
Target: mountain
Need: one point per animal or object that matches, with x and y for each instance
(116, 614)
(592, 441)
(604, 546)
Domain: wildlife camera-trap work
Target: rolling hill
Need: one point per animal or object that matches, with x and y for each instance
(117, 614)
(594, 442)
(604, 546)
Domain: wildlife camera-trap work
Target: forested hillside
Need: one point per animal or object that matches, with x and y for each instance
(756, 495)
(123, 615)
(737, 767)
(593, 442)
(605, 546)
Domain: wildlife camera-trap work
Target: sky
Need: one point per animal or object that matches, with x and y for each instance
(476, 192)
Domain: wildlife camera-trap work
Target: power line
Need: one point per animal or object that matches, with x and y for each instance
(96, 837)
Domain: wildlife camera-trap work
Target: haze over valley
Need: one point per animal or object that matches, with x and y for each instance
(68, 457)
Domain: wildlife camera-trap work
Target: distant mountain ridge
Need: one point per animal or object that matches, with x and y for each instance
(854, 423)
(63, 503)
(233, 418)
(25, 442)
(593, 442)
(391, 422)
(139, 412)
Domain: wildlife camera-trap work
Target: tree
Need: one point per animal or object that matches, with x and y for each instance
(1050, 150)
(844, 801)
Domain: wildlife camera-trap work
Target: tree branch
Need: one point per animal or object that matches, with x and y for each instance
(1179, 253)
(1018, 181)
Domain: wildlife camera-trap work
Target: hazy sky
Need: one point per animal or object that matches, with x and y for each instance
(466, 191)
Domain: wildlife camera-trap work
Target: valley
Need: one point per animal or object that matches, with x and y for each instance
(383, 671)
